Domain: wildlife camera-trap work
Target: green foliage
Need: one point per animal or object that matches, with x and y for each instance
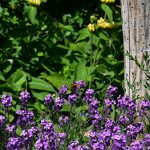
(43, 48)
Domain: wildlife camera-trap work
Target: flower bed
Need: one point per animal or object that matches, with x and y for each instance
(88, 124)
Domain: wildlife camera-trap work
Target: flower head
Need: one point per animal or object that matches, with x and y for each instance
(59, 102)
(2, 120)
(24, 97)
(63, 120)
(14, 143)
(63, 90)
(48, 99)
(72, 98)
(6, 101)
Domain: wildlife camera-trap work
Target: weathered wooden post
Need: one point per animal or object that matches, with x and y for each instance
(136, 34)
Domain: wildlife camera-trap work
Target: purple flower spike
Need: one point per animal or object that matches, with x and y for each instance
(42, 144)
(11, 129)
(2, 120)
(137, 145)
(96, 120)
(14, 143)
(59, 102)
(73, 145)
(123, 120)
(81, 84)
(24, 97)
(6, 101)
(48, 99)
(119, 142)
(144, 107)
(112, 90)
(63, 120)
(72, 98)
(89, 93)
(61, 137)
(146, 140)
(63, 90)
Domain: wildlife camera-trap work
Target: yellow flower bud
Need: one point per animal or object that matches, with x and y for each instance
(92, 18)
(34, 2)
(91, 27)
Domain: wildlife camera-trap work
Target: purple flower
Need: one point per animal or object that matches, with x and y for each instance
(48, 99)
(109, 103)
(72, 98)
(96, 120)
(81, 84)
(63, 120)
(109, 124)
(137, 145)
(61, 138)
(48, 134)
(33, 131)
(134, 130)
(106, 136)
(123, 120)
(14, 143)
(63, 90)
(127, 104)
(26, 137)
(116, 129)
(42, 144)
(119, 142)
(146, 140)
(24, 97)
(2, 120)
(59, 102)
(93, 106)
(11, 129)
(73, 145)
(82, 147)
(25, 117)
(144, 106)
(6, 101)
(97, 141)
(89, 93)
(112, 90)
(47, 126)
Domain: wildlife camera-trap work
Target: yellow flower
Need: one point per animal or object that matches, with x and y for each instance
(107, 1)
(91, 27)
(101, 23)
(34, 2)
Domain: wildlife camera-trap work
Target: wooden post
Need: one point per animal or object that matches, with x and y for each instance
(136, 34)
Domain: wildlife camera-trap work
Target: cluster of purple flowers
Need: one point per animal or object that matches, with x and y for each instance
(111, 126)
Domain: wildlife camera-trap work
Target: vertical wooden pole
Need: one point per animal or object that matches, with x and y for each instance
(136, 34)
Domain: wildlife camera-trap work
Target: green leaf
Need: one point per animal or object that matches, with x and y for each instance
(32, 11)
(83, 72)
(16, 80)
(39, 84)
(103, 36)
(57, 80)
(2, 78)
(108, 12)
(103, 70)
(39, 95)
(68, 27)
(83, 34)
(66, 108)
(111, 60)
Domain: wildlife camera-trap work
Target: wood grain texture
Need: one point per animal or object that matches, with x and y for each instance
(136, 34)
